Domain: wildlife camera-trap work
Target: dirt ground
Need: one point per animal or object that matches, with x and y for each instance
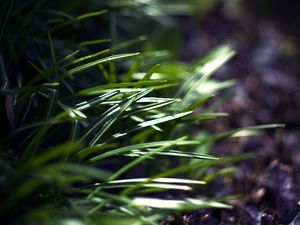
(267, 70)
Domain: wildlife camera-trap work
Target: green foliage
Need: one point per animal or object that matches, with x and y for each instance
(78, 120)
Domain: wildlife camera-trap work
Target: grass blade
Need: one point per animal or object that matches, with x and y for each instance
(186, 204)
(99, 61)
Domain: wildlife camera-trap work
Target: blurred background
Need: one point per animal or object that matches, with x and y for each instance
(265, 35)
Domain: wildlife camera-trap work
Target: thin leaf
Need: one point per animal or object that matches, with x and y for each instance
(151, 72)
(53, 55)
(78, 18)
(127, 149)
(53, 153)
(128, 43)
(88, 57)
(117, 115)
(148, 124)
(186, 204)
(99, 61)
(143, 158)
(94, 42)
(95, 101)
(173, 153)
(159, 180)
(198, 102)
(119, 86)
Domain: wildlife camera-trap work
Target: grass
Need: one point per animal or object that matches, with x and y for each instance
(89, 136)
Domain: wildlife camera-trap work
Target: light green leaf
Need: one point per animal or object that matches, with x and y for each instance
(186, 204)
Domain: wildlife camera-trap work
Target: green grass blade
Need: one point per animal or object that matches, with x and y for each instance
(117, 86)
(76, 19)
(159, 180)
(126, 44)
(186, 204)
(142, 158)
(68, 57)
(117, 115)
(95, 101)
(204, 116)
(35, 143)
(244, 131)
(149, 123)
(159, 186)
(99, 61)
(127, 149)
(53, 103)
(173, 153)
(54, 153)
(94, 42)
(198, 102)
(151, 72)
(88, 57)
(129, 76)
(52, 51)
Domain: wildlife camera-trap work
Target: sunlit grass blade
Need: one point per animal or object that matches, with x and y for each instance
(95, 101)
(73, 112)
(117, 115)
(149, 123)
(92, 64)
(209, 87)
(159, 186)
(68, 57)
(204, 116)
(215, 60)
(136, 162)
(186, 204)
(139, 160)
(110, 116)
(228, 171)
(117, 86)
(199, 102)
(151, 72)
(127, 149)
(139, 119)
(159, 180)
(207, 66)
(173, 153)
(52, 103)
(142, 101)
(150, 107)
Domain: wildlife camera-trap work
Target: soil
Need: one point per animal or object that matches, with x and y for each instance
(267, 70)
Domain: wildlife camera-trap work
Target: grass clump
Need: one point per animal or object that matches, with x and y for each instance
(94, 134)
